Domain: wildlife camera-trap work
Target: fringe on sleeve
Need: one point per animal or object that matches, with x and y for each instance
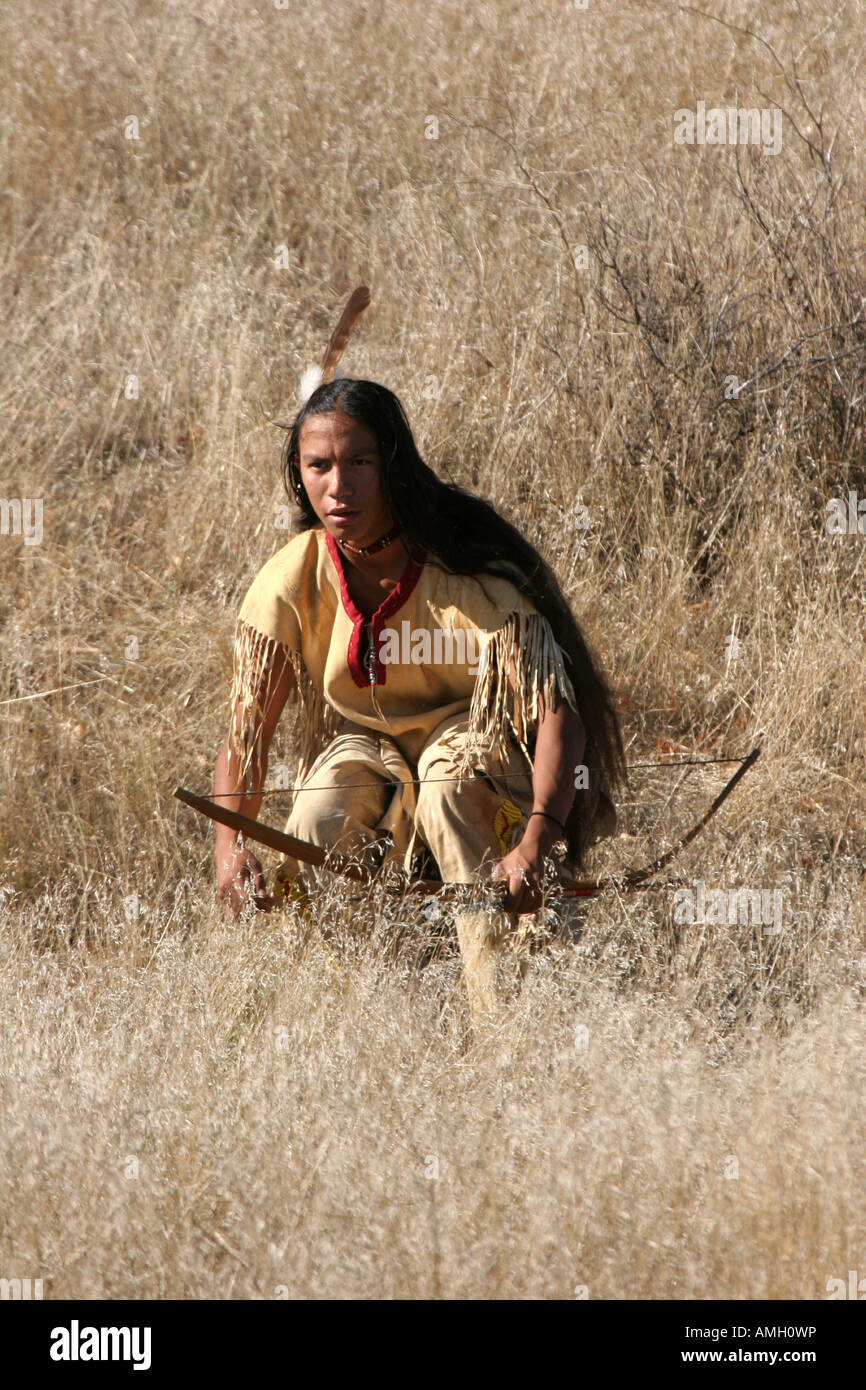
(256, 665)
(319, 721)
(540, 673)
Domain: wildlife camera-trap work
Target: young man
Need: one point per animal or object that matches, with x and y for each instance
(446, 692)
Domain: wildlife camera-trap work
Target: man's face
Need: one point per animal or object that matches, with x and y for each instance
(341, 471)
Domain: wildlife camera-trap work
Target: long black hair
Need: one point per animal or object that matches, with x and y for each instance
(465, 535)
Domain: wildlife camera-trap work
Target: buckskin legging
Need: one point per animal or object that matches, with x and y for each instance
(353, 795)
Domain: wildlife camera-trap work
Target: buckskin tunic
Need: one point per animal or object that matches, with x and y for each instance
(416, 699)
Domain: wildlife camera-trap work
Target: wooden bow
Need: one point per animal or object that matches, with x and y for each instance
(289, 845)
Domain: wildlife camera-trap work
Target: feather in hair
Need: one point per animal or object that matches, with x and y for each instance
(358, 301)
(311, 378)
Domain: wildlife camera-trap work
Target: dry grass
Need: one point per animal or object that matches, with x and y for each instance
(199, 1110)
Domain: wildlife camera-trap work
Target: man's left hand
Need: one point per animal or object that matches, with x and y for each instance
(523, 867)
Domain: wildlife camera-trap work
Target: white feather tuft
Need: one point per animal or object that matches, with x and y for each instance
(310, 379)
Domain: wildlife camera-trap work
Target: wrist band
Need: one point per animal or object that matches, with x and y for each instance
(548, 816)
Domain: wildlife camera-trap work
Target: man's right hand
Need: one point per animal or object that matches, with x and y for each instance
(239, 873)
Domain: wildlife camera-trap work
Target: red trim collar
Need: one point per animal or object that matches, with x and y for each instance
(387, 608)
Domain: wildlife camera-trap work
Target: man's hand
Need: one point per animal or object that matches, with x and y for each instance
(523, 867)
(559, 747)
(239, 875)
(523, 883)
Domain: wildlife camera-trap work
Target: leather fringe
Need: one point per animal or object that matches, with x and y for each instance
(254, 681)
(540, 674)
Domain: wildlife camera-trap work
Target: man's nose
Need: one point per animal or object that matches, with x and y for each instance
(341, 482)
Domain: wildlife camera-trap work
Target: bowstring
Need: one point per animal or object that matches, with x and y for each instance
(422, 781)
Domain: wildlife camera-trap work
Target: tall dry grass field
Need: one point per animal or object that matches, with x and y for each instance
(650, 353)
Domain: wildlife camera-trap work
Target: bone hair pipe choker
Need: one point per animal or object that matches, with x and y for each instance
(376, 546)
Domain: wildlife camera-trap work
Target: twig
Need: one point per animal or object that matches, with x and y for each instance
(58, 689)
(218, 1240)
